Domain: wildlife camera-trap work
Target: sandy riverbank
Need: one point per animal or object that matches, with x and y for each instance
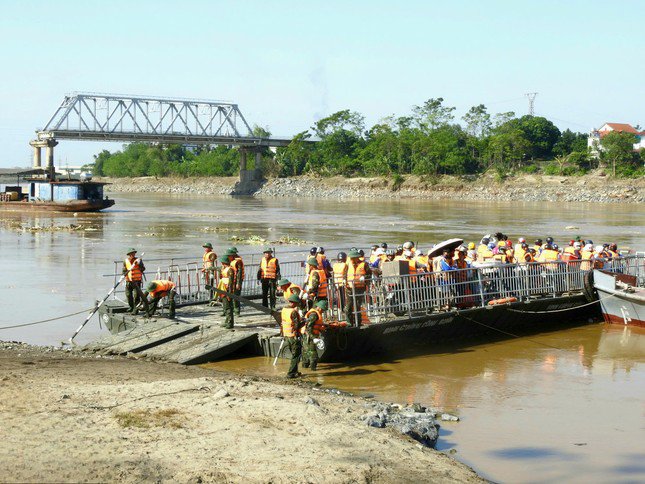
(533, 188)
(68, 417)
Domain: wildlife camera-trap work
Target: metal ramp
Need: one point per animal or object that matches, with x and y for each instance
(142, 337)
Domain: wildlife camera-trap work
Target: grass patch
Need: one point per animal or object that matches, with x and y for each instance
(145, 419)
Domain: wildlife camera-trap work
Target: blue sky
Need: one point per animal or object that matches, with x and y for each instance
(288, 63)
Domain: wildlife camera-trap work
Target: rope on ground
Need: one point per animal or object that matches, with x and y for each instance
(145, 397)
(22, 325)
(511, 334)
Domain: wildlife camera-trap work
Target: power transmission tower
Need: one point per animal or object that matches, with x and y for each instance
(531, 96)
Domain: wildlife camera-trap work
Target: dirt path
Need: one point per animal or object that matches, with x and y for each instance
(67, 418)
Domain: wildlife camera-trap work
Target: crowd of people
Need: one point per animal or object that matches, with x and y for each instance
(345, 280)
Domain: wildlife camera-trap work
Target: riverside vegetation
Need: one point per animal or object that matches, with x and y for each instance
(427, 143)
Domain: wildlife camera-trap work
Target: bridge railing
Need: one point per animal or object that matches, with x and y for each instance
(190, 281)
(424, 293)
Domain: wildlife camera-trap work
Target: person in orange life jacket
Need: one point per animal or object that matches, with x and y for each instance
(323, 262)
(268, 275)
(538, 246)
(208, 263)
(548, 253)
(613, 251)
(501, 255)
(317, 284)
(373, 255)
(412, 264)
(312, 328)
(358, 275)
(510, 252)
(237, 264)
(133, 270)
(288, 288)
(159, 289)
(340, 277)
(290, 331)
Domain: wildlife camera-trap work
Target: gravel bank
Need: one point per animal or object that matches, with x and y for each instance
(590, 188)
(67, 417)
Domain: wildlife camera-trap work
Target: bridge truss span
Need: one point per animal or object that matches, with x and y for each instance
(111, 117)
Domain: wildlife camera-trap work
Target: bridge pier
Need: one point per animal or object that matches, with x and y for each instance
(250, 180)
(37, 145)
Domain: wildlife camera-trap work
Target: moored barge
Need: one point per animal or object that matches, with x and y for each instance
(36, 190)
(399, 312)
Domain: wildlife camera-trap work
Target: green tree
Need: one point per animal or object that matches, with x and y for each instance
(478, 122)
(570, 142)
(342, 120)
(432, 114)
(541, 134)
(294, 157)
(618, 150)
(99, 161)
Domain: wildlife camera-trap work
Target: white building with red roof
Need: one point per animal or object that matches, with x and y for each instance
(593, 142)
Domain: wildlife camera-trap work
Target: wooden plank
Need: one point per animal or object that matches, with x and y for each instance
(215, 348)
(152, 338)
(167, 350)
(114, 339)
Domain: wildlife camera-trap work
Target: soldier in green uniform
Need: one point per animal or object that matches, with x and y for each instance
(316, 282)
(226, 283)
(314, 325)
(290, 331)
(237, 264)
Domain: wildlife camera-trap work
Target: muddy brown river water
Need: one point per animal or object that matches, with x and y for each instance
(567, 405)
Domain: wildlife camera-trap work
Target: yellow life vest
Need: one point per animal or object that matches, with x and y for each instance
(354, 275)
(208, 260)
(135, 273)
(268, 268)
(162, 289)
(340, 273)
(319, 326)
(289, 326)
(228, 273)
(322, 282)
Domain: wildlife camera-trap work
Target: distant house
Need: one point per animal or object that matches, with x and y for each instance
(593, 142)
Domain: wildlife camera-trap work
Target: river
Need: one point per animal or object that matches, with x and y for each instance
(566, 405)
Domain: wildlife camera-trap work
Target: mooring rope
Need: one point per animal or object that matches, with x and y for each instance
(22, 325)
(511, 334)
(560, 310)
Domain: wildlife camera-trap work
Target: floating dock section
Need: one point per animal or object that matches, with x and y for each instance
(194, 337)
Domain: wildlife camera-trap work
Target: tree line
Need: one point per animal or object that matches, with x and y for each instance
(429, 141)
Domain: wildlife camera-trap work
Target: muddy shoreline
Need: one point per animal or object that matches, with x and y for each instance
(528, 188)
(69, 416)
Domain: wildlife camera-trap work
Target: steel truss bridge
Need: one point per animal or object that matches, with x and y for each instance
(111, 117)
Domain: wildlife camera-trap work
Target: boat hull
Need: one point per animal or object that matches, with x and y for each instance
(70, 206)
(422, 333)
(620, 306)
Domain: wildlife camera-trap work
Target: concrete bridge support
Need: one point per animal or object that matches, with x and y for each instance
(250, 180)
(48, 144)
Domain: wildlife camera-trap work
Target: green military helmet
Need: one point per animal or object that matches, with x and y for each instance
(323, 305)
(207, 245)
(229, 252)
(268, 249)
(131, 250)
(283, 282)
(354, 254)
(151, 286)
(232, 249)
(312, 261)
(293, 298)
